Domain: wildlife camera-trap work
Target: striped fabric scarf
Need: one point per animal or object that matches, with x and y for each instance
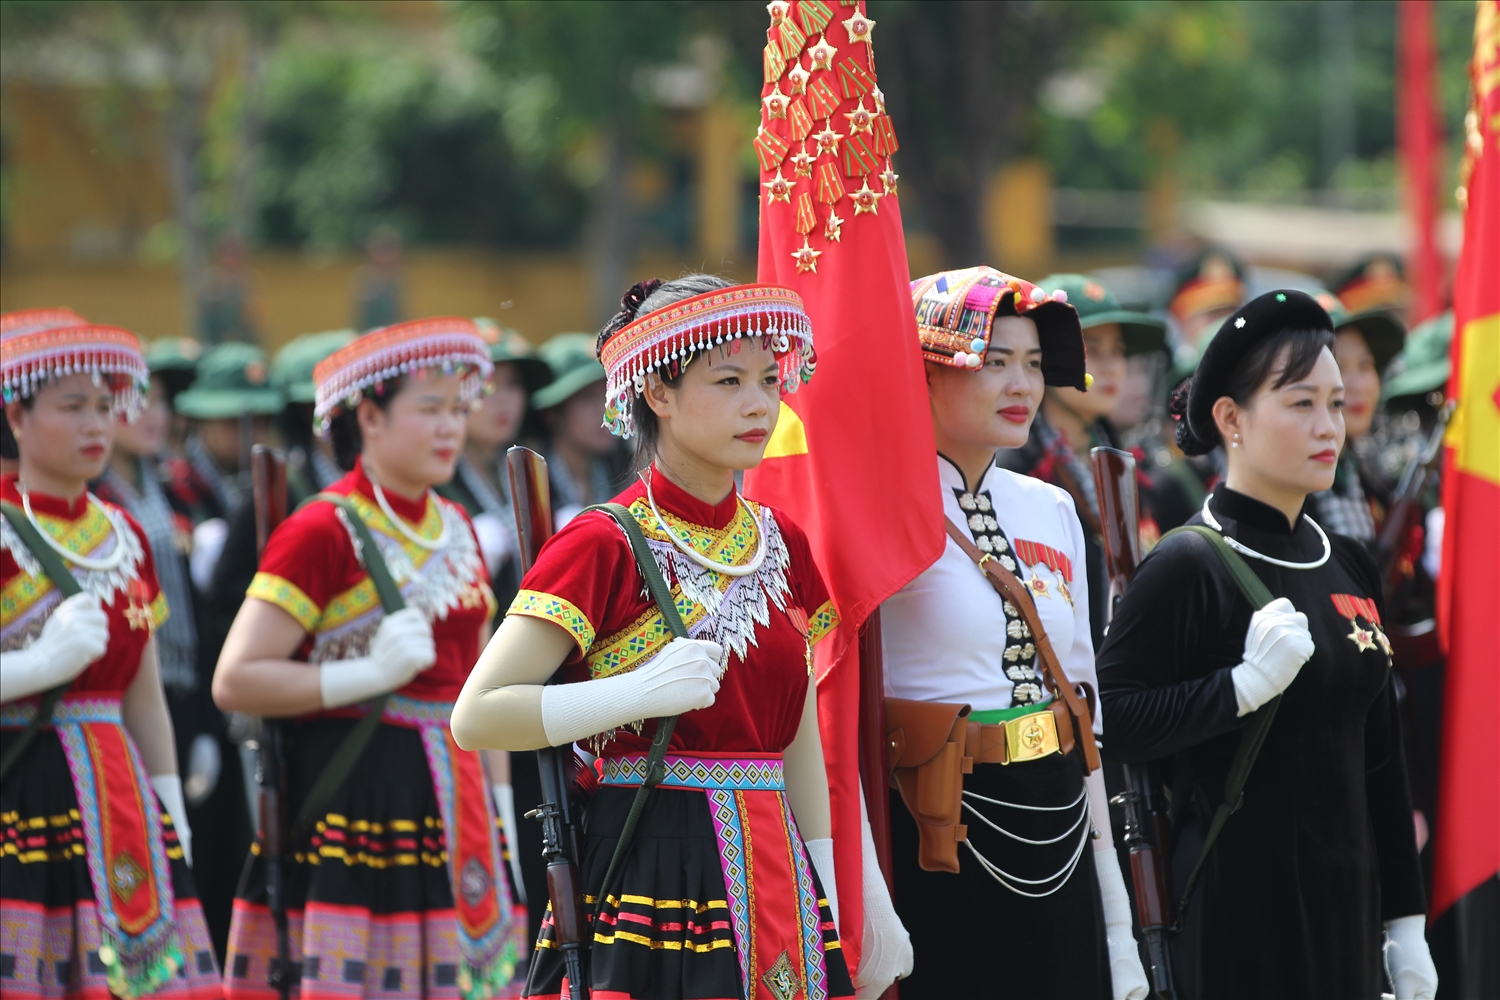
(177, 639)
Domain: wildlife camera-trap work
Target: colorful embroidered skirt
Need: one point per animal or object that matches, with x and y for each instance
(967, 929)
(716, 900)
(95, 896)
(401, 891)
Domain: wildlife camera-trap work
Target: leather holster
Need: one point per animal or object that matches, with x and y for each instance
(926, 744)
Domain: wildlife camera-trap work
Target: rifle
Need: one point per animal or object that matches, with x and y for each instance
(1406, 504)
(268, 480)
(560, 845)
(1147, 830)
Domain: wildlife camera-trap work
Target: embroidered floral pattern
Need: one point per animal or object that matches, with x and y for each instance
(558, 611)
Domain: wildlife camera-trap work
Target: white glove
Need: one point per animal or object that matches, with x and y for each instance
(505, 808)
(208, 544)
(73, 636)
(168, 788)
(1126, 975)
(402, 648)
(683, 677)
(497, 539)
(1276, 645)
(885, 952)
(1407, 960)
(205, 762)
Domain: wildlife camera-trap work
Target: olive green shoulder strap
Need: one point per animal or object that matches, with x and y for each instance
(1254, 733)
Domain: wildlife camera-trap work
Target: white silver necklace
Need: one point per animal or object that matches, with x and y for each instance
(101, 565)
(700, 558)
(1246, 550)
(430, 544)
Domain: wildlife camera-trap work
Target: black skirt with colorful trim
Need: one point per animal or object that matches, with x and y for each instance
(972, 936)
(54, 938)
(371, 907)
(716, 891)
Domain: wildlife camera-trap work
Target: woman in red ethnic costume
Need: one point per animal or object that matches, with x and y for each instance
(96, 896)
(719, 894)
(396, 887)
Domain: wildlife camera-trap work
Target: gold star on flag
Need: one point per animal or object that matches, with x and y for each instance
(827, 141)
(833, 227)
(866, 200)
(778, 10)
(775, 103)
(860, 28)
(806, 257)
(822, 53)
(802, 163)
(778, 187)
(860, 120)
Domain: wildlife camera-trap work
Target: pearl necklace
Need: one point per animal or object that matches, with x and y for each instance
(101, 565)
(700, 558)
(1245, 550)
(430, 544)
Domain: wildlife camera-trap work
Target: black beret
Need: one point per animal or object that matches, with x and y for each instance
(1262, 317)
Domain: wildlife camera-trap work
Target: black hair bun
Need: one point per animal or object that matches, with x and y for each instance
(1189, 442)
(630, 305)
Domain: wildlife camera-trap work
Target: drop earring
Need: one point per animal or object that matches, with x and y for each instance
(1236, 442)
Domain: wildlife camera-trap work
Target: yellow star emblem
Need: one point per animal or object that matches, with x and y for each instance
(1361, 637)
(778, 187)
(806, 257)
(138, 615)
(866, 200)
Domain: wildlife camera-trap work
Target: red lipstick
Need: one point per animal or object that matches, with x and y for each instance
(1327, 455)
(753, 437)
(1015, 414)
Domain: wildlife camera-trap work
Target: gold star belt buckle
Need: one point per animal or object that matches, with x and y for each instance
(1031, 736)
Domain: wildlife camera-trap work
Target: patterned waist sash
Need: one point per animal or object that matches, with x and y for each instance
(774, 904)
(481, 892)
(122, 838)
(760, 773)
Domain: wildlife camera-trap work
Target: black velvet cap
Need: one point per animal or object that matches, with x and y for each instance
(1263, 316)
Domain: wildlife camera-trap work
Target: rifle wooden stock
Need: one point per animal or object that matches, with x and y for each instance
(1147, 832)
(1405, 510)
(268, 482)
(533, 505)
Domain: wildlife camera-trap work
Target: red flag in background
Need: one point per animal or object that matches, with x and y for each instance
(1419, 132)
(852, 460)
(1468, 820)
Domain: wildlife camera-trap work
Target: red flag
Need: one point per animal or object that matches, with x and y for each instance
(1419, 132)
(852, 460)
(1468, 820)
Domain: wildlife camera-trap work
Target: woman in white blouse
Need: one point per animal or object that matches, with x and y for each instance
(1018, 868)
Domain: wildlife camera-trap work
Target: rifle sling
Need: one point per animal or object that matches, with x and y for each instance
(1254, 733)
(655, 769)
(348, 752)
(57, 571)
(1013, 590)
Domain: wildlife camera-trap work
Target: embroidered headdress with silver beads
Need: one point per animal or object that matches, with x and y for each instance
(713, 319)
(449, 343)
(41, 344)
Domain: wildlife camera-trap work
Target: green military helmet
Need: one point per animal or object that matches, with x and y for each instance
(1382, 329)
(508, 346)
(231, 379)
(574, 367)
(1425, 364)
(1097, 305)
(292, 368)
(174, 360)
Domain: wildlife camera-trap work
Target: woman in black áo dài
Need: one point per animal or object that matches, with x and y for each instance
(1319, 859)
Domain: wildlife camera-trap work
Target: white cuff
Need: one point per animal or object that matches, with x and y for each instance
(168, 788)
(345, 682)
(505, 808)
(820, 852)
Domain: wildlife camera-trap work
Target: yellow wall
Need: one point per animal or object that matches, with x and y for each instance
(537, 294)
